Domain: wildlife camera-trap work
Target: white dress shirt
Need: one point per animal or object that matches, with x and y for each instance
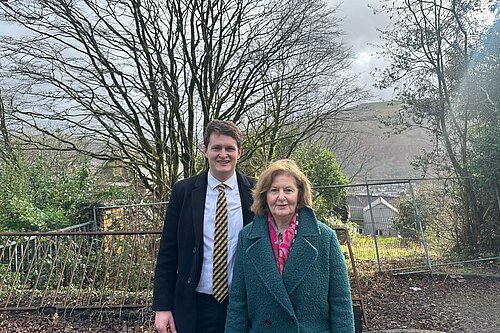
(235, 224)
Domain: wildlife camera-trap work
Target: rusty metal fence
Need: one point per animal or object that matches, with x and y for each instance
(77, 270)
(74, 270)
(105, 263)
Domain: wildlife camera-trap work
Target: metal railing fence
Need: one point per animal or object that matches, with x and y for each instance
(66, 271)
(72, 270)
(407, 225)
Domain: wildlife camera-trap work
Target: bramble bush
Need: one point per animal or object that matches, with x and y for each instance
(41, 192)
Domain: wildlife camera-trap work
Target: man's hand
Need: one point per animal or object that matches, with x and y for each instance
(164, 322)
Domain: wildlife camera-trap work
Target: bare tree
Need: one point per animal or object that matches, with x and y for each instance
(6, 153)
(137, 80)
(430, 47)
(305, 90)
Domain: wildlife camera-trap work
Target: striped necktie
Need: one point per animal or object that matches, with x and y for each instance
(220, 284)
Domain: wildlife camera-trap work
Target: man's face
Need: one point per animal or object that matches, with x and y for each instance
(222, 154)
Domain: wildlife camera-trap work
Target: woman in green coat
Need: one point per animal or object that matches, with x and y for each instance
(290, 274)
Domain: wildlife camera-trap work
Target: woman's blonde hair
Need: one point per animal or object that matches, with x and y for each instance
(277, 168)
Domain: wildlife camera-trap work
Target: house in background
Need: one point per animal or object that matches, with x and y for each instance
(384, 212)
(115, 173)
(383, 216)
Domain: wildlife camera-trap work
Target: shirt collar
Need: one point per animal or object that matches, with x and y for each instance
(231, 182)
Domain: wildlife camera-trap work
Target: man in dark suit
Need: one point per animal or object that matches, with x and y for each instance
(183, 298)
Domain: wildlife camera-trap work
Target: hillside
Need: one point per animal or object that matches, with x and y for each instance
(364, 143)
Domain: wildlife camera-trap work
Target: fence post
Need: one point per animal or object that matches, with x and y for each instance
(498, 198)
(94, 216)
(374, 234)
(419, 221)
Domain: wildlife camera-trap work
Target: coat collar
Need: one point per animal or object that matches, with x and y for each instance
(308, 225)
(302, 256)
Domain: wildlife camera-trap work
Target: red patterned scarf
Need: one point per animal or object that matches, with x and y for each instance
(282, 243)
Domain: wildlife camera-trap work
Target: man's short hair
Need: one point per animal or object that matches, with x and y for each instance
(224, 127)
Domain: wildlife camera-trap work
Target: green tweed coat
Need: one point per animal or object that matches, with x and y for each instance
(312, 296)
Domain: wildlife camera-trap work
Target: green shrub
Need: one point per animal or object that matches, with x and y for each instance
(41, 192)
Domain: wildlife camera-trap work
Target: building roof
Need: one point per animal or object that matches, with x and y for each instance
(380, 201)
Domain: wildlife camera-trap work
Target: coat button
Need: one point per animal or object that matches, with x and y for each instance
(194, 250)
(267, 323)
(189, 280)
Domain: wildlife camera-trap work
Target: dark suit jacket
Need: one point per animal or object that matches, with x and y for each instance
(178, 267)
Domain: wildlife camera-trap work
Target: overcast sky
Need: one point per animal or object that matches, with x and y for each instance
(360, 26)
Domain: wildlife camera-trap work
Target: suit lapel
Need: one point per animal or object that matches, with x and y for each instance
(245, 196)
(303, 253)
(198, 195)
(262, 259)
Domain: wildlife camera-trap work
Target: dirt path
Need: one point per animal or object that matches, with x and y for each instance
(480, 310)
(439, 303)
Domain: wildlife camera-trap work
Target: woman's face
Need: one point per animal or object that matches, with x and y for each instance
(282, 197)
